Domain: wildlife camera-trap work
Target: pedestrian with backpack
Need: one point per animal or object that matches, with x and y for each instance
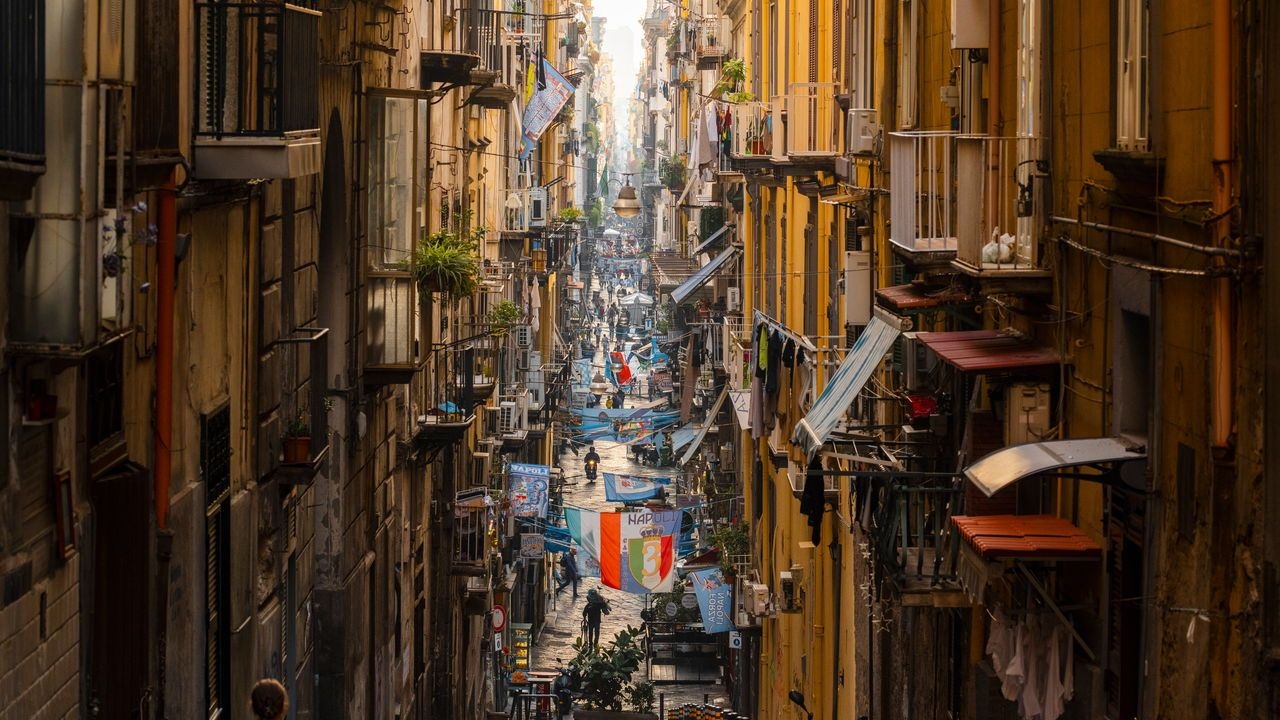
(595, 609)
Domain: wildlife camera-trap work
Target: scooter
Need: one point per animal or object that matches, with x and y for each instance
(590, 467)
(564, 686)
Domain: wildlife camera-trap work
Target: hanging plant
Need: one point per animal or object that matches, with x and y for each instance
(672, 171)
(446, 260)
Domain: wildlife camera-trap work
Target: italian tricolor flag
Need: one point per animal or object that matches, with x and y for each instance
(631, 551)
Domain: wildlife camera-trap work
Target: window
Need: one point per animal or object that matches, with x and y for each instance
(1028, 68)
(106, 397)
(1132, 71)
(397, 201)
(862, 50)
(908, 33)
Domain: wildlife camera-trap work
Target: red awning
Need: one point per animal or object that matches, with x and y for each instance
(1035, 537)
(905, 298)
(978, 350)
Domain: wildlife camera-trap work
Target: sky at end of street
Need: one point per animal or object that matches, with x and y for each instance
(622, 41)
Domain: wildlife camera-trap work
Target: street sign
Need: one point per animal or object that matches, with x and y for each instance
(735, 640)
(499, 618)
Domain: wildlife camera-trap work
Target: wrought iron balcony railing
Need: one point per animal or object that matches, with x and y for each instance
(22, 42)
(257, 68)
(912, 538)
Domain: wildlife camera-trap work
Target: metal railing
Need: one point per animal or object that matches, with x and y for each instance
(998, 213)
(753, 131)
(912, 536)
(470, 529)
(922, 208)
(813, 120)
(22, 80)
(737, 353)
(257, 68)
(713, 35)
(495, 36)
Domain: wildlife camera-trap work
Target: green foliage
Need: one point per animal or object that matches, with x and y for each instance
(300, 426)
(606, 671)
(733, 541)
(503, 315)
(570, 214)
(448, 259)
(672, 171)
(735, 71)
(739, 97)
(641, 696)
(595, 213)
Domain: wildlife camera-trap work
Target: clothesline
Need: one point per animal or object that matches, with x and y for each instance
(776, 326)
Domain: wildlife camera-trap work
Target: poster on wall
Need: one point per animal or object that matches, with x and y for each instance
(529, 488)
(532, 546)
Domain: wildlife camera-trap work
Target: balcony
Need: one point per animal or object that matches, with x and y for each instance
(22, 159)
(257, 104)
(471, 533)
(495, 38)
(446, 414)
(713, 34)
(999, 219)
(311, 344)
(813, 122)
(524, 210)
(737, 354)
(390, 342)
(914, 544)
(475, 365)
(922, 211)
(752, 134)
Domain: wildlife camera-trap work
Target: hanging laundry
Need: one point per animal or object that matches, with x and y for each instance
(813, 502)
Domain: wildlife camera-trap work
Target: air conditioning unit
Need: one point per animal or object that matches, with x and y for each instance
(1027, 415)
(788, 599)
(523, 335)
(862, 131)
(733, 299)
(756, 601)
(857, 287)
(537, 207)
(509, 417)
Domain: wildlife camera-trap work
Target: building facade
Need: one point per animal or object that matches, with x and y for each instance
(247, 432)
(993, 270)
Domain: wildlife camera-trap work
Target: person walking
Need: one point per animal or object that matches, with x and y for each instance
(595, 609)
(569, 572)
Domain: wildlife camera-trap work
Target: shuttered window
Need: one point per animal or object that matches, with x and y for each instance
(908, 67)
(813, 41)
(215, 469)
(811, 275)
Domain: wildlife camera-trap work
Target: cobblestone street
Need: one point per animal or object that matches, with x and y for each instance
(563, 628)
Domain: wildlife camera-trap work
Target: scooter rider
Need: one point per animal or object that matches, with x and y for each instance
(591, 462)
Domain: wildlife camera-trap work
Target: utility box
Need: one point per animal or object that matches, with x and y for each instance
(857, 287)
(1027, 415)
(970, 24)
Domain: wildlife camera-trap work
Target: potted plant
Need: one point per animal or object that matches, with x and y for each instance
(570, 215)
(605, 684)
(446, 261)
(672, 172)
(297, 439)
(503, 316)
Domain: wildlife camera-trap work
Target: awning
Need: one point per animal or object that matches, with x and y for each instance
(635, 299)
(700, 278)
(914, 298)
(1033, 537)
(702, 431)
(714, 238)
(1007, 466)
(981, 350)
(741, 400)
(845, 384)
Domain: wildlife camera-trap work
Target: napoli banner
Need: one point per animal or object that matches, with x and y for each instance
(529, 486)
(632, 488)
(633, 551)
(544, 106)
(715, 597)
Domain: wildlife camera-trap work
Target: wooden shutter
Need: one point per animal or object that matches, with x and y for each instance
(215, 469)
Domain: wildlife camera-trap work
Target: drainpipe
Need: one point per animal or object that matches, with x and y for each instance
(1223, 408)
(993, 112)
(167, 226)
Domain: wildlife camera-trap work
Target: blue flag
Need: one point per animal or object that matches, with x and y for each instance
(715, 599)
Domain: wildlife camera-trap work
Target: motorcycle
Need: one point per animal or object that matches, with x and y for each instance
(590, 466)
(564, 686)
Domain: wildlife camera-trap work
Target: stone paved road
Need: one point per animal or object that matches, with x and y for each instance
(563, 624)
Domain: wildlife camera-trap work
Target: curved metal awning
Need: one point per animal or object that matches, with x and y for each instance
(700, 278)
(1007, 466)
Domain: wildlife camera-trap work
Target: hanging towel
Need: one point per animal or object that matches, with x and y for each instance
(813, 501)
(1054, 691)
